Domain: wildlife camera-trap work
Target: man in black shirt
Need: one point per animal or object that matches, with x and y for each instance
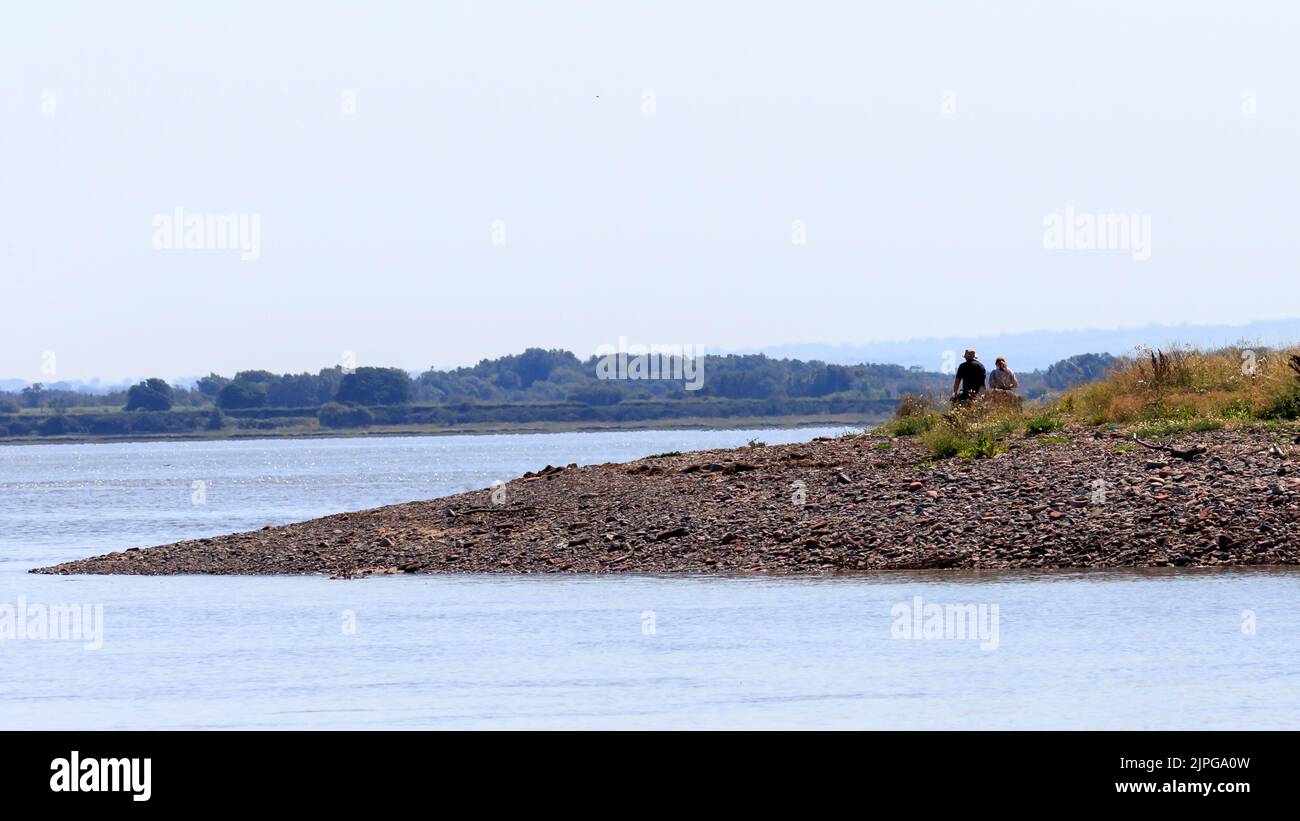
(970, 378)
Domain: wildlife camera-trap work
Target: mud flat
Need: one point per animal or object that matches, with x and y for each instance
(849, 504)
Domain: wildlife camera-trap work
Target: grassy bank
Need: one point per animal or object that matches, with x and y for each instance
(1151, 394)
(482, 428)
(89, 424)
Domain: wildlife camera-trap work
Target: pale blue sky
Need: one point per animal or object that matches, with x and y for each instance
(671, 227)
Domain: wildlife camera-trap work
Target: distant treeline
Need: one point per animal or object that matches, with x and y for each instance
(535, 386)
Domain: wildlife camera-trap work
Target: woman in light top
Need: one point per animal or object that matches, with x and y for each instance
(1003, 378)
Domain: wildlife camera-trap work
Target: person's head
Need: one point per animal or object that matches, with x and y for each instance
(1001, 362)
(970, 354)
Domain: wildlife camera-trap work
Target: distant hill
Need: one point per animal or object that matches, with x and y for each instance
(93, 386)
(1026, 352)
(1039, 349)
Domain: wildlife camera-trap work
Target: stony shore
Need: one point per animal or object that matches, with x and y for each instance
(861, 503)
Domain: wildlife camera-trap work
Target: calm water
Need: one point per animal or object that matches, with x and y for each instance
(1085, 650)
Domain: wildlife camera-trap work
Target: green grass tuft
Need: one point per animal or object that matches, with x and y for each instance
(1045, 422)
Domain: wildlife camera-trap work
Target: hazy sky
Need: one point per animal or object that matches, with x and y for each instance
(916, 147)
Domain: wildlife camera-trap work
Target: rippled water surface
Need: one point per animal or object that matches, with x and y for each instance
(1176, 649)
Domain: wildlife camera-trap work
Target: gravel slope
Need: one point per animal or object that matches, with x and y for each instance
(867, 504)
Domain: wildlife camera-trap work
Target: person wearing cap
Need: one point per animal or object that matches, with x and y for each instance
(969, 380)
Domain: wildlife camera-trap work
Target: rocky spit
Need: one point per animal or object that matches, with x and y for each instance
(849, 504)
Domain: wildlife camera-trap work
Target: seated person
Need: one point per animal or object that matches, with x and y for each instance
(1003, 378)
(970, 378)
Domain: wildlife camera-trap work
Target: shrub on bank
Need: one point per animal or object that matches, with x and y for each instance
(944, 440)
(58, 426)
(108, 425)
(977, 430)
(974, 431)
(913, 416)
(337, 415)
(1044, 422)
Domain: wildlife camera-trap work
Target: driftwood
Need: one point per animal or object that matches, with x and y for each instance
(1186, 455)
(465, 511)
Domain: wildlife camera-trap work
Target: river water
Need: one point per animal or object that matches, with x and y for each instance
(1178, 649)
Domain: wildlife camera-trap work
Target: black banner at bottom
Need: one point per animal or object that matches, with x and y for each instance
(142, 771)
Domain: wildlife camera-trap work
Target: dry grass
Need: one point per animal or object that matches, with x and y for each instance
(1224, 386)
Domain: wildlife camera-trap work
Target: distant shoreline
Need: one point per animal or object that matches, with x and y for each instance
(471, 429)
